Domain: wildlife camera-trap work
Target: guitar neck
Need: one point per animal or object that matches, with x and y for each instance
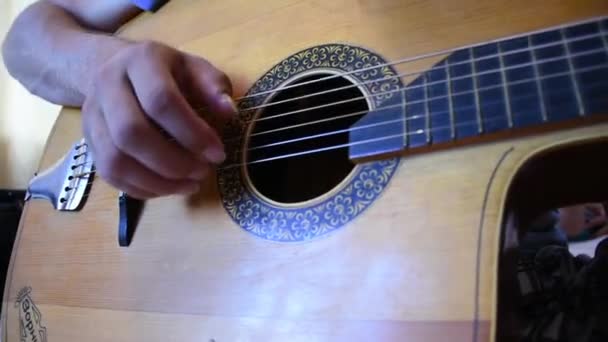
(528, 82)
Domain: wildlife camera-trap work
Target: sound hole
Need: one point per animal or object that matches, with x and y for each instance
(296, 132)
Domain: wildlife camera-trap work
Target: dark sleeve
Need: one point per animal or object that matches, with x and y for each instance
(149, 5)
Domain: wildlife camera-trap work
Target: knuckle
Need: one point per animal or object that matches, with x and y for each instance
(196, 144)
(104, 80)
(155, 50)
(184, 172)
(160, 99)
(128, 134)
(102, 73)
(224, 81)
(109, 72)
(179, 170)
(111, 165)
(114, 161)
(147, 196)
(173, 174)
(149, 48)
(178, 164)
(100, 78)
(160, 188)
(88, 109)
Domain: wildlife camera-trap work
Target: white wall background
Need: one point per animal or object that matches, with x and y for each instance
(25, 120)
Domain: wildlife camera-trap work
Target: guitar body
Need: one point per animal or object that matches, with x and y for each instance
(416, 261)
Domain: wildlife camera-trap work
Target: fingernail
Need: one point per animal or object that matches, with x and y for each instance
(214, 155)
(228, 100)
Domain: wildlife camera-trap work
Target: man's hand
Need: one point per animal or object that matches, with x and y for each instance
(577, 219)
(144, 87)
(139, 100)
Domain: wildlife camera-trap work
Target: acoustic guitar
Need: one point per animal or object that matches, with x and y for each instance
(382, 151)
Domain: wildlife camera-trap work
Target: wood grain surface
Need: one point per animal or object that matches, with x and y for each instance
(418, 265)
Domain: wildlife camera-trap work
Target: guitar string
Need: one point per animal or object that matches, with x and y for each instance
(433, 98)
(437, 53)
(538, 61)
(485, 72)
(382, 123)
(401, 61)
(92, 174)
(534, 62)
(443, 66)
(400, 135)
(420, 131)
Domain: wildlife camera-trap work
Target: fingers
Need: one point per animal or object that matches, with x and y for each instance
(162, 100)
(133, 134)
(122, 171)
(211, 87)
(138, 94)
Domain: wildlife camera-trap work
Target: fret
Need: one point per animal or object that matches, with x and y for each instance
(603, 29)
(476, 94)
(587, 52)
(558, 91)
(463, 100)
(513, 83)
(603, 34)
(438, 104)
(404, 113)
(505, 88)
(490, 88)
(577, 92)
(364, 134)
(450, 103)
(523, 96)
(415, 113)
(427, 118)
(539, 88)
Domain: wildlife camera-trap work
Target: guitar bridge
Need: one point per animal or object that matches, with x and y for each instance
(65, 184)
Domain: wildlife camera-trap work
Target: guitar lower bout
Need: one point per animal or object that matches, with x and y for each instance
(337, 216)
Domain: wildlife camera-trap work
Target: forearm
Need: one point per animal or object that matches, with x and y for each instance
(53, 55)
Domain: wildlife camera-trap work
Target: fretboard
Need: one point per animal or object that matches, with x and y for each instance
(531, 80)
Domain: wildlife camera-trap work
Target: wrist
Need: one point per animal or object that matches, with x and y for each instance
(102, 48)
